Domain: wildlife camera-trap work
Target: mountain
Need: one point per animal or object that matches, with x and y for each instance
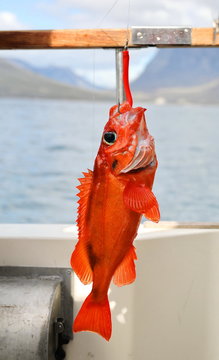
(176, 75)
(16, 81)
(179, 67)
(61, 74)
(200, 94)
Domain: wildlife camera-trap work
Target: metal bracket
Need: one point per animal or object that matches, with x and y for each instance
(161, 36)
(61, 338)
(216, 29)
(120, 94)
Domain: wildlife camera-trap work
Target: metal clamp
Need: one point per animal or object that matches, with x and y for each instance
(61, 338)
(120, 93)
(216, 29)
(161, 36)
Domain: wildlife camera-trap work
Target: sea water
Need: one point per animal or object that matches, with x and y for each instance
(46, 144)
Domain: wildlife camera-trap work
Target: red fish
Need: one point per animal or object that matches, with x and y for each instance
(113, 198)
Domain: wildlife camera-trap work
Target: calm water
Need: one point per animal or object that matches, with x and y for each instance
(45, 145)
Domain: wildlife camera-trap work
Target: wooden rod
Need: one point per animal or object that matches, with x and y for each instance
(96, 38)
(64, 39)
(205, 37)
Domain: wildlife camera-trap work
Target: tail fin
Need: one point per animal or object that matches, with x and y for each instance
(95, 317)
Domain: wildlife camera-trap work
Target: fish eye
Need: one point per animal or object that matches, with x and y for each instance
(109, 137)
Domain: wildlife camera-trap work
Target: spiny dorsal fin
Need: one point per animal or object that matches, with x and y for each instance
(84, 191)
(79, 259)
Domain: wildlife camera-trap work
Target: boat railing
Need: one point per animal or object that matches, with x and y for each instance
(134, 37)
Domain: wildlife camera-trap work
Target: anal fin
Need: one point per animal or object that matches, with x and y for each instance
(125, 273)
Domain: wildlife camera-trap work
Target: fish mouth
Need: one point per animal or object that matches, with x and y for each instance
(134, 171)
(144, 156)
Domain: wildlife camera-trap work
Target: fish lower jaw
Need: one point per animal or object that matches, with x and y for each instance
(137, 170)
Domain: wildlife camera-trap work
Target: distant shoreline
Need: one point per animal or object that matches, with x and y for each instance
(20, 82)
(137, 101)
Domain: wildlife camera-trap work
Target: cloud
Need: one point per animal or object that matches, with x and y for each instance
(123, 13)
(9, 21)
(120, 13)
(109, 14)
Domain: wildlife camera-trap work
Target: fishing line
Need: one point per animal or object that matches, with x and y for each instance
(125, 68)
(126, 58)
(108, 12)
(93, 150)
(93, 104)
(128, 20)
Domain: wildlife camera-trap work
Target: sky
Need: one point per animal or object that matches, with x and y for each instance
(98, 66)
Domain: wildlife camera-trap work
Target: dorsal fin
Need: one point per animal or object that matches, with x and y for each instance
(79, 259)
(84, 191)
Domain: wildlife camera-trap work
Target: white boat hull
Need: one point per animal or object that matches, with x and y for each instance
(171, 312)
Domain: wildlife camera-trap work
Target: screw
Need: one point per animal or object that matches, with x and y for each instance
(140, 35)
(60, 327)
(158, 38)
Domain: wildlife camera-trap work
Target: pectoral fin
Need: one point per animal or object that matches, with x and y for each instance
(141, 199)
